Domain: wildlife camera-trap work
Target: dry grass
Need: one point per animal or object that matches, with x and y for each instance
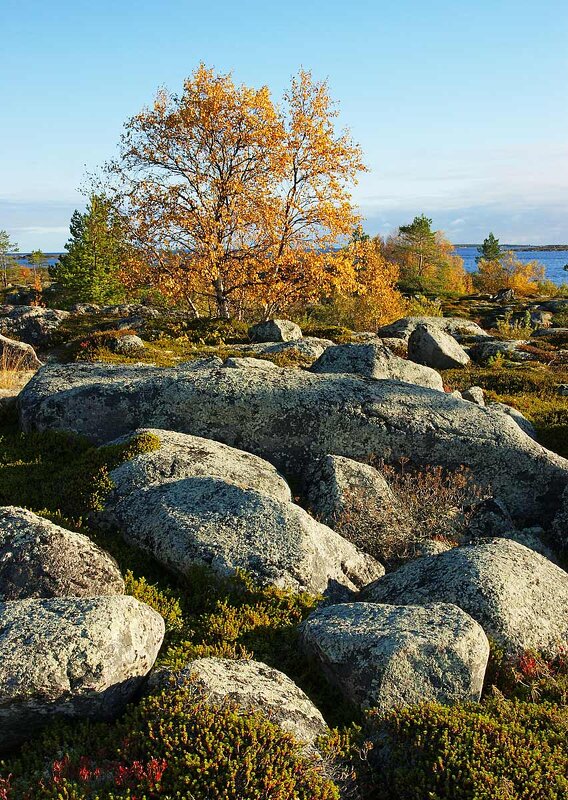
(13, 370)
(430, 504)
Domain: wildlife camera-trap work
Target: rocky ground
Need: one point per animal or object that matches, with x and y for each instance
(220, 547)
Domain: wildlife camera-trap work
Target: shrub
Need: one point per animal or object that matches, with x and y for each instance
(164, 601)
(337, 333)
(520, 329)
(90, 347)
(13, 369)
(508, 272)
(203, 331)
(172, 745)
(552, 429)
(531, 677)
(496, 750)
(421, 306)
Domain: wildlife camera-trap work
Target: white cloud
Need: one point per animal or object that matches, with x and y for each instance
(41, 229)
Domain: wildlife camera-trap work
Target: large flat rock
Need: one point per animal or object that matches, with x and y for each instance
(290, 416)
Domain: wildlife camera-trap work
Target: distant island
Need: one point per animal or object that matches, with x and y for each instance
(523, 247)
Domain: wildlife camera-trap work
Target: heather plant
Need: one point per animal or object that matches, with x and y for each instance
(519, 329)
(171, 745)
(497, 750)
(90, 347)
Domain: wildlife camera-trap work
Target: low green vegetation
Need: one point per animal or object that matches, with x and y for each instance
(60, 472)
(531, 388)
(171, 745)
(507, 328)
(496, 750)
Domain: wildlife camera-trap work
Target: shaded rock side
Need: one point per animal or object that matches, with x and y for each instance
(435, 348)
(40, 559)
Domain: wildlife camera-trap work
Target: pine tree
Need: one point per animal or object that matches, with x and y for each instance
(88, 272)
(37, 258)
(6, 247)
(426, 259)
(419, 241)
(490, 250)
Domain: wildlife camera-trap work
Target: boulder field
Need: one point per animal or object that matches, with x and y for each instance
(290, 417)
(239, 445)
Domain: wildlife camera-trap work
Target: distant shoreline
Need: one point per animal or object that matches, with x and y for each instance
(519, 248)
(524, 247)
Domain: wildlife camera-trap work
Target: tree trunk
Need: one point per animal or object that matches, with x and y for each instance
(192, 307)
(221, 298)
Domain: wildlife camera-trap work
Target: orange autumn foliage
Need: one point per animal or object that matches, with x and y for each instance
(508, 272)
(233, 200)
(375, 299)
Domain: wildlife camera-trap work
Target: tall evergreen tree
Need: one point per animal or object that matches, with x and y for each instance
(89, 271)
(490, 250)
(419, 241)
(6, 247)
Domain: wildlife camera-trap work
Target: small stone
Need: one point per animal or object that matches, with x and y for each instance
(474, 395)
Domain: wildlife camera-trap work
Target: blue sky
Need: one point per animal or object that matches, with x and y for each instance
(460, 107)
